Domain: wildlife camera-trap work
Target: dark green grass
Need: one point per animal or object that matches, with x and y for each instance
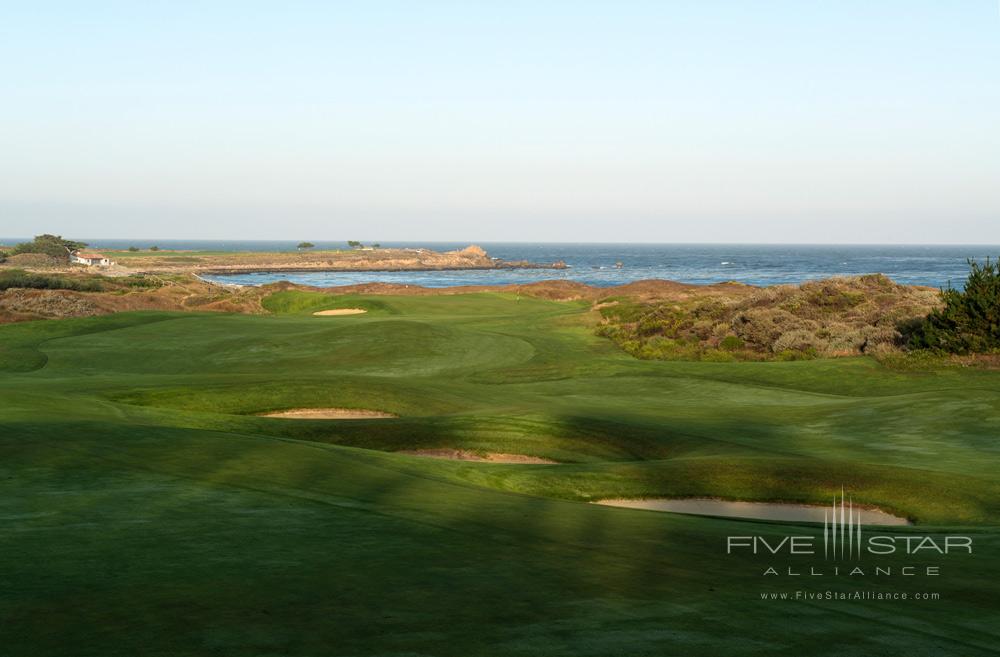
(146, 509)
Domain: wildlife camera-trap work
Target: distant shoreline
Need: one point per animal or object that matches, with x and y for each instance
(368, 259)
(280, 270)
(334, 264)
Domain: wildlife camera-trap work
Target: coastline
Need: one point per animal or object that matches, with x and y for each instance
(223, 271)
(593, 264)
(471, 258)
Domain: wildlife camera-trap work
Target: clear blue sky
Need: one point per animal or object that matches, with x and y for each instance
(765, 121)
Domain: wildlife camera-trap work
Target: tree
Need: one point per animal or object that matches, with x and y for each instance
(306, 245)
(354, 244)
(51, 245)
(969, 322)
(154, 248)
(133, 248)
(376, 245)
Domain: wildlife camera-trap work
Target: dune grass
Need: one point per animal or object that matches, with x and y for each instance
(147, 509)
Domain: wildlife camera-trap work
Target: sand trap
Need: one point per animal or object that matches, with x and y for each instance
(464, 455)
(340, 311)
(328, 414)
(754, 510)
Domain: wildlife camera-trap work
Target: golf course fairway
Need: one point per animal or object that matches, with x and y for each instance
(149, 507)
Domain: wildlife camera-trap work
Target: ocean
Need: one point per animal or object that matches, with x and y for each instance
(595, 264)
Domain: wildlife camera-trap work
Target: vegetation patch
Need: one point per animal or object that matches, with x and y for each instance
(969, 320)
(17, 278)
(53, 246)
(833, 317)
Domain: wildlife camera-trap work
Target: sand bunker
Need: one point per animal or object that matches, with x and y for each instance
(340, 311)
(328, 414)
(754, 510)
(464, 455)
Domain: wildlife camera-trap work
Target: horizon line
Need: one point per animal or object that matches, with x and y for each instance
(3, 241)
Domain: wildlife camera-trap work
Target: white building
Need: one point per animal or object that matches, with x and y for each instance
(90, 259)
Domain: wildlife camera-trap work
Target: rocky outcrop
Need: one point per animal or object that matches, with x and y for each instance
(472, 251)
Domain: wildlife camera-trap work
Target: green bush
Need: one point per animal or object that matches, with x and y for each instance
(20, 278)
(969, 322)
(830, 298)
(797, 354)
(717, 356)
(51, 245)
(731, 343)
(138, 280)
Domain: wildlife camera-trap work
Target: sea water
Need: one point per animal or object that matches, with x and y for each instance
(597, 264)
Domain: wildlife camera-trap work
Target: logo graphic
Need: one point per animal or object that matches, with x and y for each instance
(842, 530)
(844, 541)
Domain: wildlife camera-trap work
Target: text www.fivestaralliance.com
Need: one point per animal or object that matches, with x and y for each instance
(860, 596)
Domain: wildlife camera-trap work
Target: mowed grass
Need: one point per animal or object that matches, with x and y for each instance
(147, 509)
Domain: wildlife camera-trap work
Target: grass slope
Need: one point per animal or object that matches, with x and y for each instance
(147, 510)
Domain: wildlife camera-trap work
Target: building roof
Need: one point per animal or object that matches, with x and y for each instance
(89, 255)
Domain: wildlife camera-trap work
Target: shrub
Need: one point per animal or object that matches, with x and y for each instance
(138, 280)
(762, 326)
(969, 322)
(19, 278)
(795, 354)
(834, 317)
(717, 356)
(922, 359)
(829, 297)
(842, 337)
(731, 343)
(797, 340)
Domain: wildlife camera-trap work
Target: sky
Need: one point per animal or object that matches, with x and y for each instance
(771, 121)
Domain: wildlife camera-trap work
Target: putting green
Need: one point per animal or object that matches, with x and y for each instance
(149, 508)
